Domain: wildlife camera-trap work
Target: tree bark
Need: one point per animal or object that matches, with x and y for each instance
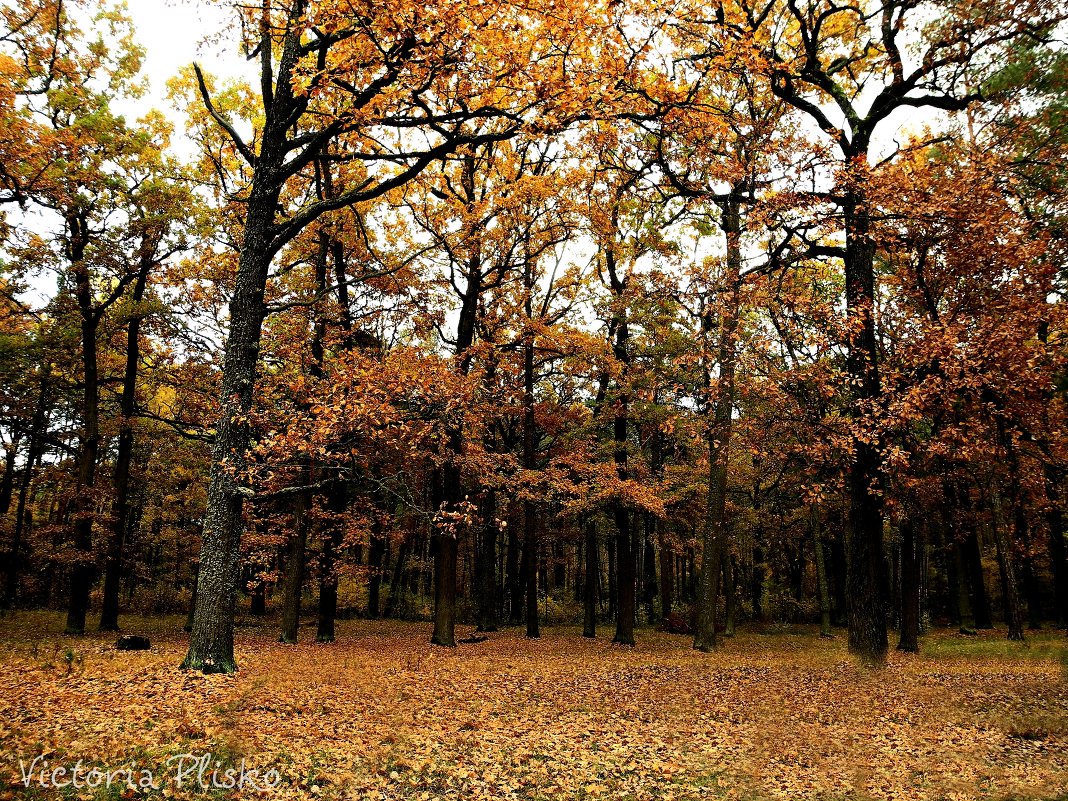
(910, 590)
(822, 588)
(718, 436)
(109, 613)
(293, 585)
(593, 570)
(866, 572)
(33, 453)
(83, 511)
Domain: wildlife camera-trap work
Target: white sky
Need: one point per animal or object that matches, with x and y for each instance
(173, 33)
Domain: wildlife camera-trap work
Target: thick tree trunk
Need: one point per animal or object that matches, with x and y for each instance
(593, 576)
(109, 613)
(211, 646)
(718, 436)
(866, 571)
(910, 590)
(446, 549)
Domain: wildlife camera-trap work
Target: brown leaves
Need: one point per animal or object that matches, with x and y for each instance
(381, 714)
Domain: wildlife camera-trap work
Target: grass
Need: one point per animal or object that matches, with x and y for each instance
(775, 713)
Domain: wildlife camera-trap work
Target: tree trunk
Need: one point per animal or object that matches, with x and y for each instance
(718, 436)
(822, 587)
(667, 578)
(109, 614)
(33, 453)
(1057, 554)
(963, 599)
(530, 532)
(7, 483)
(593, 570)
(375, 555)
(514, 577)
(81, 577)
(649, 569)
(337, 503)
(910, 590)
(293, 585)
(396, 584)
(730, 596)
(866, 572)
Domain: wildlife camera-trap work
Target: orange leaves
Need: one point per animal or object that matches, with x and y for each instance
(380, 714)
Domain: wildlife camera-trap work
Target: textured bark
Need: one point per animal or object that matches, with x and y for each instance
(1009, 588)
(109, 613)
(865, 580)
(721, 406)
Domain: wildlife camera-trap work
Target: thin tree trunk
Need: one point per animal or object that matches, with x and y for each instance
(293, 584)
(593, 570)
(667, 578)
(823, 590)
(33, 452)
(83, 569)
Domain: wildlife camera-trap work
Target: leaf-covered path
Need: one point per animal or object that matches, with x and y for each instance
(382, 714)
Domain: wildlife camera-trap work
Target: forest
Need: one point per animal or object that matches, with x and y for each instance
(476, 334)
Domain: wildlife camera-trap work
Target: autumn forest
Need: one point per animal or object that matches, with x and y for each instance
(450, 377)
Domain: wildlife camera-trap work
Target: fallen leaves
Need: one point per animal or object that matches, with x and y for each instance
(382, 715)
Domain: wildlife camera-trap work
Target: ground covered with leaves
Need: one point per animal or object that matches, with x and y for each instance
(381, 714)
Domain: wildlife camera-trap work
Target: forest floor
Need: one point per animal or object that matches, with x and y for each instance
(381, 714)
